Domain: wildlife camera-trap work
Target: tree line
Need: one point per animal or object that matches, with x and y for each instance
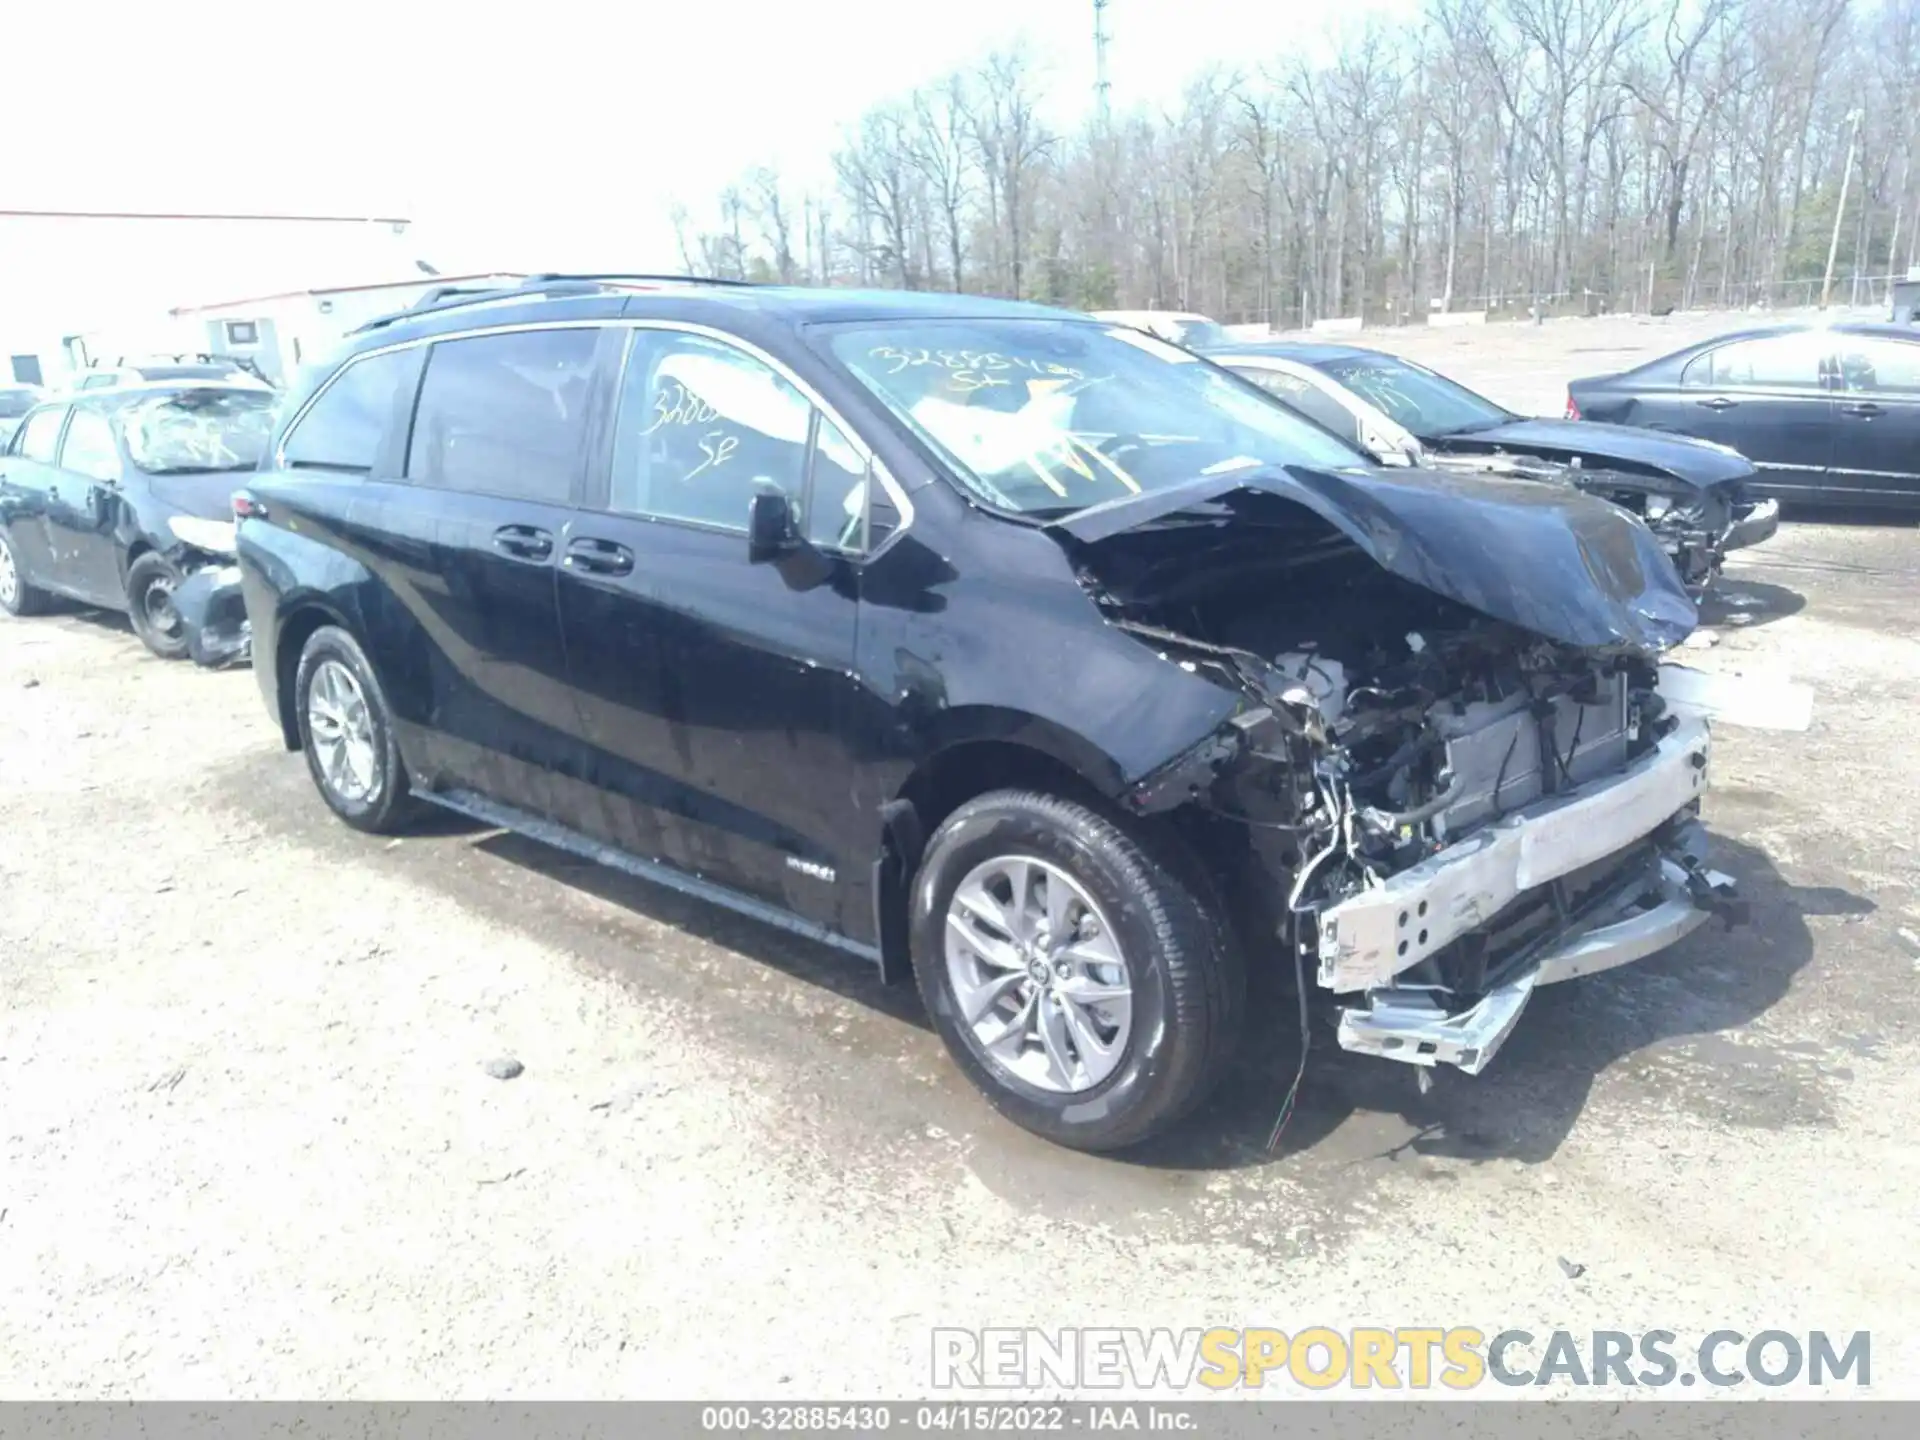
(1497, 154)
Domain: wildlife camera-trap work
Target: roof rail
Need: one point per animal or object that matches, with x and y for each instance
(617, 275)
(453, 297)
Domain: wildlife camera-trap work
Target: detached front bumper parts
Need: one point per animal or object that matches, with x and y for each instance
(214, 615)
(1369, 940)
(1759, 522)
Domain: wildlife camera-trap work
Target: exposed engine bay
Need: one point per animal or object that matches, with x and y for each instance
(1438, 809)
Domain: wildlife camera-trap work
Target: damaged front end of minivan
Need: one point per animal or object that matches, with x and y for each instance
(1454, 777)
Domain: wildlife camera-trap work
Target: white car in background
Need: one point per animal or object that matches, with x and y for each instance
(1183, 328)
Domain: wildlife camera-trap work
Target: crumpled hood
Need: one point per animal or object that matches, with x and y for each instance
(1597, 443)
(1551, 560)
(210, 497)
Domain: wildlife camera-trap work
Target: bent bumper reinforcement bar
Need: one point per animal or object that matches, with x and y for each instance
(1638, 920)
(1369, 938)
(1759, 523)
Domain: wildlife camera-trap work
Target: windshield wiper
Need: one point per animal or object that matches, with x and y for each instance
(202, 469)
(1474, 426)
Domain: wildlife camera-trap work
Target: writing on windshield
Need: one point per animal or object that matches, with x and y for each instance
(1049, 416)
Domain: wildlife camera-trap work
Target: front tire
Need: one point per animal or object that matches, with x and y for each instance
(150, 585)
(17, 597)
(346, 733)
(1075, 977)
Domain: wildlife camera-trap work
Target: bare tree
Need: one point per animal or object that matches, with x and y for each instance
(1503, 153)
(770, 215)
(877, 177)
(1011, 142)
(940, 151)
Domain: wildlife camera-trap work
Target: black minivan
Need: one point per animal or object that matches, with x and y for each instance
(1026, 654)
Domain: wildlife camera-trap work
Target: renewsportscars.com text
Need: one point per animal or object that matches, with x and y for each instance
(1401, 1358)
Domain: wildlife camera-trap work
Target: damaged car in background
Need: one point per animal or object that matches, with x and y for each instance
(1694, 495)
(1031, 657)
(123, 499)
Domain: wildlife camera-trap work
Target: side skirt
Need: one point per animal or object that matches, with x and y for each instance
(507, 817)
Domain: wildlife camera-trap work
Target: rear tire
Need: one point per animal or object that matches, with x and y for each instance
(17, 597)
(150, 586)
(1129, 1071)
(346, 733)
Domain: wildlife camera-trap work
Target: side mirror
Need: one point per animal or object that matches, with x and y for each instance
(771, 531)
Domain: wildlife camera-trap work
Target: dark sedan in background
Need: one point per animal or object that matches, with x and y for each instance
(1694, 495)
(114, 499)
(1824, 412)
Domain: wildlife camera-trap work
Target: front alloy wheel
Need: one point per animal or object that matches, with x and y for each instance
(1038, 975)
(1067, 960)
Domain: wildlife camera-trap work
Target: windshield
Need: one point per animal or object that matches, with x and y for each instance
(15, 403)
(1424, 402)
(1050, 416)
(198, 430)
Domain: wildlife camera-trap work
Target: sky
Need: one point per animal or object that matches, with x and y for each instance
(554, 135)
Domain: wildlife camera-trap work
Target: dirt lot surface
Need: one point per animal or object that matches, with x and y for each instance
(248, 1145)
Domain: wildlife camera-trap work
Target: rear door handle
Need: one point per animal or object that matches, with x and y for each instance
(599, 557)
(1864, 408)
(1718, 402)
(524, 542)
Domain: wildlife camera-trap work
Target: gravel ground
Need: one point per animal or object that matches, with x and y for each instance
(252, 1148)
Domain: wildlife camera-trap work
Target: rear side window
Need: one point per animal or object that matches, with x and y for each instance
(41, 434)
(1886, 367)
(343, 428)
(1777, 362)
(504, 414)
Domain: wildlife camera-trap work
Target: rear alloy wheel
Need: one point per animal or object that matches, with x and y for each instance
(347, 734)
(17, 597)
(1072, 972)
(156, 620)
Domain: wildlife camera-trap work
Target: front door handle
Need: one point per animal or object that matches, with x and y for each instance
(599, 557)
(1864, 408)
(1718, 402)
(524, 542)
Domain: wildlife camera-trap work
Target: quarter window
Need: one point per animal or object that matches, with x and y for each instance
(839, 497)
(41, 434)
(504, 414)
(1777, 362)
(343, 428)
(702, 425)
(89, 448)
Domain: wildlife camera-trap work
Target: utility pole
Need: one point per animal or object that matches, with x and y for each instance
(1101, 86)
(1846, 179)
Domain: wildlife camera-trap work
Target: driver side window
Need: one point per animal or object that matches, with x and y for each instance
(702, 425)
